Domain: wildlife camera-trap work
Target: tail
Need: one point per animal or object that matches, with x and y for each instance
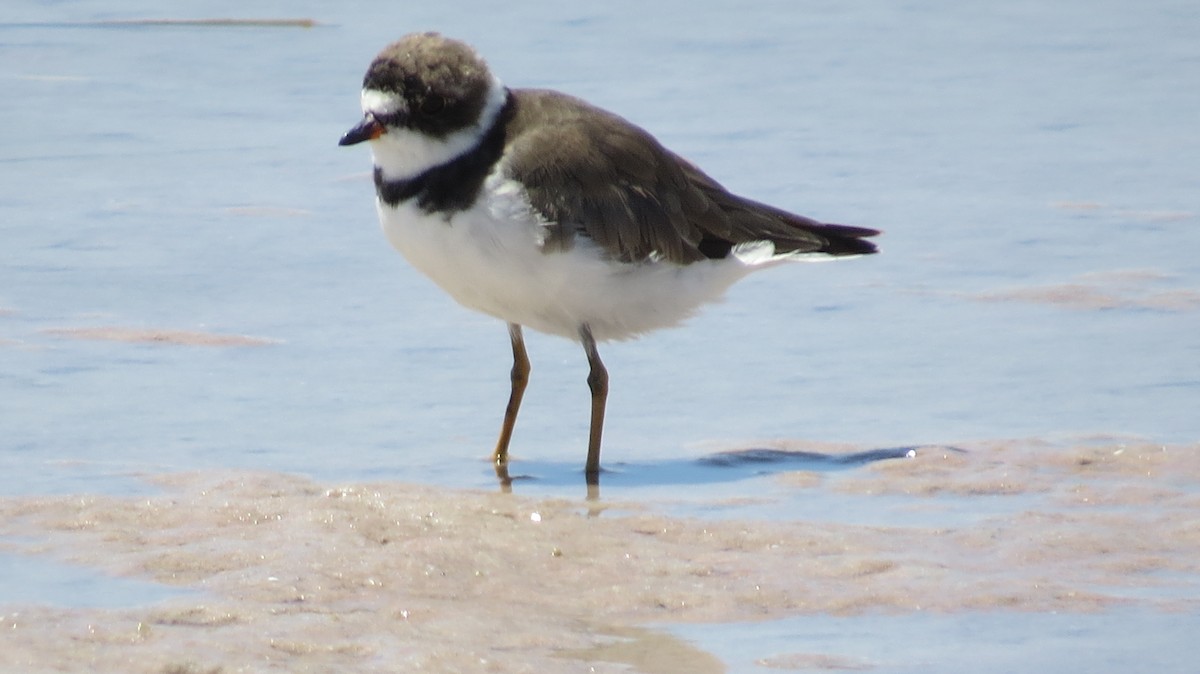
(751, 229)
(842, 240)
(792, 236)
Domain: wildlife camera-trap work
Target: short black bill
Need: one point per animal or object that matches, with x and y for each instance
(368, 129)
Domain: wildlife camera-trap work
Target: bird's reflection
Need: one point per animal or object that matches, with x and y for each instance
(720, 467)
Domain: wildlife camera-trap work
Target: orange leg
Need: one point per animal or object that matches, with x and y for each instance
(598, 383)
(520, 378)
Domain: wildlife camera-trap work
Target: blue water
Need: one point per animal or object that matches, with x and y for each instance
(35, 580)
(1125, 640)
(187, 177)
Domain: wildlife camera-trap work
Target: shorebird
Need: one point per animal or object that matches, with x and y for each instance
(544, 211)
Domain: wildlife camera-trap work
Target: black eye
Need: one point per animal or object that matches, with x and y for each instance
(432, 105)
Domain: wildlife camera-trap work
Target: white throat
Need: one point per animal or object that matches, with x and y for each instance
(404, 153)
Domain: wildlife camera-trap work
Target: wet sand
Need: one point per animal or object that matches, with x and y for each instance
(289, 575)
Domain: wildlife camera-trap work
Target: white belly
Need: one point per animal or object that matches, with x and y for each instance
(490, 258)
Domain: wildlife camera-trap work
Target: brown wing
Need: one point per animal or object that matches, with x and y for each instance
(589, 172)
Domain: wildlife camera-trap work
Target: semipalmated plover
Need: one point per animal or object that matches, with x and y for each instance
(544, 211)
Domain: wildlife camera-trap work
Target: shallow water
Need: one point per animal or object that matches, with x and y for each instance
(979, 642)
(195, 185)
(164, 188)
(37, 580)
(278, 569)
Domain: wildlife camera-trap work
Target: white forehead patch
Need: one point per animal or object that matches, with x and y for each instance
(381, 102)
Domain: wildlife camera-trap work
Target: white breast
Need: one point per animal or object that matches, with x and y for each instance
(490, 258)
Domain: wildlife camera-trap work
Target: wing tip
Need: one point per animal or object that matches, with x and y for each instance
(847, 239)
